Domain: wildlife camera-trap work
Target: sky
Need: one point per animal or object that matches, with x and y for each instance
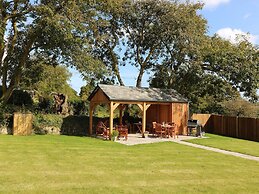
(225, 17)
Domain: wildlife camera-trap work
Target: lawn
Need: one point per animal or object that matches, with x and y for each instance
(228, 143)
(63, 164)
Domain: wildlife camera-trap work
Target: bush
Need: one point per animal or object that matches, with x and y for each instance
(46, 105)
(20, 97)
(5, 115)
(46, 120)
(78, 107)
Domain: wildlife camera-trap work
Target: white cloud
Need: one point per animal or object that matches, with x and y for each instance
(233, 34)
(212, 3)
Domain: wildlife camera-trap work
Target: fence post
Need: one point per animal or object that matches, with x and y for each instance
(237, 126)
(222, 125)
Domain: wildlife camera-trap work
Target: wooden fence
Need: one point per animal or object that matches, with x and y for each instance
(238, 127)
(22, 124)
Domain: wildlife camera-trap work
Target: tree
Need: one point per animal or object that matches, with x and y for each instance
(106, 33)
(204, 91)
(46, 79)
(237, 64)
(240, 108)
(147, 33)
(52, 30)
(222, 72)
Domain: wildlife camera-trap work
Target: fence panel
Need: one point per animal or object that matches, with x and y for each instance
(230, 126)
(257, 129)
(205, 120)
(251, 129)
(22, 124)
(239, 127)
(218, 124)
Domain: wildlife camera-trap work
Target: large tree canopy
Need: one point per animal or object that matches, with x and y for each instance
(224, 70)
(147, 33)
(46, 79)
(237, 64)
(55, 31)
(99, 37)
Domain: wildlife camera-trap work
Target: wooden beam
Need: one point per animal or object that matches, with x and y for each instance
(115, 105)
(141, 107)
(147, 106)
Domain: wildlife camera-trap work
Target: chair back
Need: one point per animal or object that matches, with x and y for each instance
(158, 127)
(154, 125)
(172, 124)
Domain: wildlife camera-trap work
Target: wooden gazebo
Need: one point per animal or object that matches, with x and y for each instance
(160, 105)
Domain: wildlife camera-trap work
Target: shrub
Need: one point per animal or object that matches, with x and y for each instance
(46, 120)
(78, 107)
(20, 97)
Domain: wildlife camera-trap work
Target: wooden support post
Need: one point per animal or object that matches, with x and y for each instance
(91, 111)
(144, 119)
(111, 117)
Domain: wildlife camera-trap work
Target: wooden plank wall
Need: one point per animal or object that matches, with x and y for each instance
(239, 127)
(175, 112)
(158, 113)
(153, 113)
(22, 124)
(180, 117)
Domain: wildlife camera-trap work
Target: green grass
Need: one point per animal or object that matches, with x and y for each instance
(63, 164)
(230, 144)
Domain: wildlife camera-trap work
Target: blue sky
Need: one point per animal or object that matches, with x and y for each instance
(225, 17)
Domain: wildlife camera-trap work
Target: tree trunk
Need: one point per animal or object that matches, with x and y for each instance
(6, 95)
(16, 77)
(115, 66)
(143, 64)
(140, 75)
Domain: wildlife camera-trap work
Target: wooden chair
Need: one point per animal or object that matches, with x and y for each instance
(172, 130)
(159, 131)
(101, 129)
(153, 129)
(123, 131)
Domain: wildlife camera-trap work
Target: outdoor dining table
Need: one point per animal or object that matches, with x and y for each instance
(167, 128)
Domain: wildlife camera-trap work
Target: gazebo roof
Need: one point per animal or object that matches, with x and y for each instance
(134, 94)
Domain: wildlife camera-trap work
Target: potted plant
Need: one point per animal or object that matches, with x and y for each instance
(114, 135)
(146, 133)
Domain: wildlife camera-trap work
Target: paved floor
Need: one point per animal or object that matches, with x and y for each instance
(134, 139)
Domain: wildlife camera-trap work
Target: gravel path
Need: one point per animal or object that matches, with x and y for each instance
(249, 157)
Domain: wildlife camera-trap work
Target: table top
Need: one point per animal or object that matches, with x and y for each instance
(167, 126)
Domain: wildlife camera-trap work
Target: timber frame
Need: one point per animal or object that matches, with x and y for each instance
(119, 96)
(112, 106)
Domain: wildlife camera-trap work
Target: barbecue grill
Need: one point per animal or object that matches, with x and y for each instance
(194, 124)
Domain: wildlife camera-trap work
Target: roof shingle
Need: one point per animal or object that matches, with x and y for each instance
(129, 93)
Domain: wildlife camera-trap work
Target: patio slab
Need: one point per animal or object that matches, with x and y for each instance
(135, 139)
